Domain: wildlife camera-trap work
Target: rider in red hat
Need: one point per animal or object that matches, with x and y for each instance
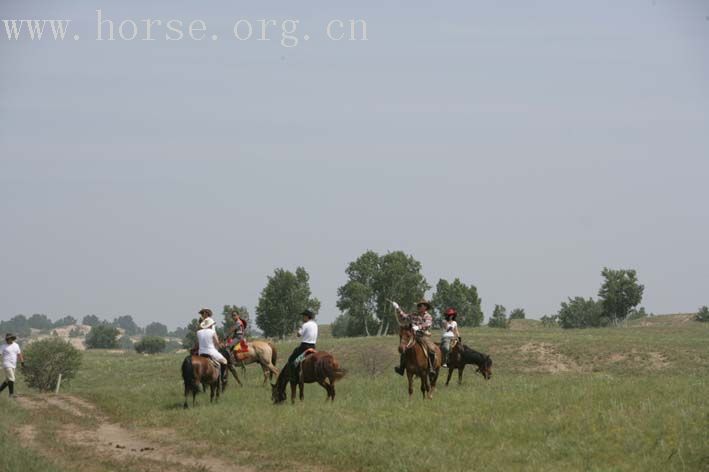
(450, 332)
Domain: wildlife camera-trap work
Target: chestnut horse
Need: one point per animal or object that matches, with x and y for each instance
(417, 362)
(320, 367)
(199, 371)
(461, 355)
(262, 352)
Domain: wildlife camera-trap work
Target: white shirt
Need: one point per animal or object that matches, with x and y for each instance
(205, 338)
(9, 355)
(309, 332)
(450, 327)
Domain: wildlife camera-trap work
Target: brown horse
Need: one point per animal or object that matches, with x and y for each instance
(320, 367)
(417, 362)
(461, 355)
(199, 371)
(262, 352)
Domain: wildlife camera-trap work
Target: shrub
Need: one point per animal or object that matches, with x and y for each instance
(703, 314)
(102, 336)
(518, 314)
(550, 321)
(581, 313)
(48, 358)
(75, 333)
(498, 318)
(125, 342)
(339, 327)
(156, 329)
(173, 346)
(150, 345)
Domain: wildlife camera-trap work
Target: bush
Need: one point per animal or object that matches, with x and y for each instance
(550, 321)
(581, 313)
(150, 345)
(518, 314)
(125, 343)
(173, 346)
(498, 318)
(339, 327)
(102, 336)
(703, 314)
(48, 358)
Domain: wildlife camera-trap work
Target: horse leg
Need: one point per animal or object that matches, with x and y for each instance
(327, 389)
(301, 384)
(234, 374)
(410, 376)
(450, 374)
(292, 392)
(460, 374)
(187, 394)
(218, 392)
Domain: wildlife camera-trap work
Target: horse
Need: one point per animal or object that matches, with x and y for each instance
(320, 367)
(461, 355)
(417, 362)
(199, 370)
(262, 352)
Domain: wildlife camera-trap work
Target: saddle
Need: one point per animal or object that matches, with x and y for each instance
(302, 357)
(214, 362)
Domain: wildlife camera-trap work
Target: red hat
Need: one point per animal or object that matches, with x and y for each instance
(451, 312)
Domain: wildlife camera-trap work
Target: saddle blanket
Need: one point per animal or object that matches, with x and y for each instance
(305, 354)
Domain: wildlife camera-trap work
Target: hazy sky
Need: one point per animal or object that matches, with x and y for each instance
(518, 145)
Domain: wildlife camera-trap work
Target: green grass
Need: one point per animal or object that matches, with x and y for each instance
(633, 398)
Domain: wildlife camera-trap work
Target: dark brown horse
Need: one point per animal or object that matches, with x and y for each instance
(198, 371)
(462, 355)
(417, 362)
(320, 367)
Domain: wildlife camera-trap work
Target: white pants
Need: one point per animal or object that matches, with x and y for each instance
(214, 354)
(9, 373)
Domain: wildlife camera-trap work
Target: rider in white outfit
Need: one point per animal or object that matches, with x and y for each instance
(208, 340)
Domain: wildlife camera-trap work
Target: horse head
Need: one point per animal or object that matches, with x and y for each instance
(406, 337)
(486, 367)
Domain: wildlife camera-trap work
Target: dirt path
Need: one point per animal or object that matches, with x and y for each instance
(549, 359)
(109, 440)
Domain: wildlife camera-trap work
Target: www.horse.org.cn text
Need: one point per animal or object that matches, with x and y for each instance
(289, 33)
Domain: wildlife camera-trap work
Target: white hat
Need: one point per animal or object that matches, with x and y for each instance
(207, 323)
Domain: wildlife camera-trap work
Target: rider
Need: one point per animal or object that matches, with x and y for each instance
(421, 324)
(208, 342)
(450, 332)
(309, 336)
(236, 333)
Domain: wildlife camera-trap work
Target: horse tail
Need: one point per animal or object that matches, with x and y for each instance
(334, 370)
(274, 353)
(188, 375)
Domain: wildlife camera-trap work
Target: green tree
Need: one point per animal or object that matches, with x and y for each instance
(462, 297)
(17, 325)
(550, 321)
(357, 298)
(581, 313)
(399, 279)
(150, 345)
(90, 320)
(38, 321)
(178, 332)
(619, 293)
(703, 314)
(156, 329)
(102, 336)
(127, 324)
(285, 296)
(125, 343)
(190, 339)
(48, 358)
(66, 321)
(498, 318)
(517, 314)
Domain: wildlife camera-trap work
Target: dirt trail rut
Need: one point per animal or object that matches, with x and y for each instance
(111, 440)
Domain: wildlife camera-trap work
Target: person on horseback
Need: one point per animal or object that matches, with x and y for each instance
(236, 332)
(421, 324)
(450, 333)
(208, 342)
(309, 336)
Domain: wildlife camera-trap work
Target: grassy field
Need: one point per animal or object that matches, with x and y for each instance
(631, 398)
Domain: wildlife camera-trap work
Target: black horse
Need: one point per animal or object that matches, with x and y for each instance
(461, 355)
